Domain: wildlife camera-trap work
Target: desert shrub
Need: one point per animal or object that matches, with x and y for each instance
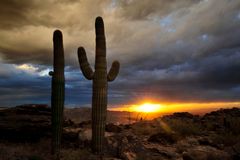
(209, 126)
(234, 125)
(30, 151)
(184, 127)
(145, 128)
(215, 156)
(142, 156)
(34, 157)
(227, 139)
(164, 138)
(178, 126)
(70, 154)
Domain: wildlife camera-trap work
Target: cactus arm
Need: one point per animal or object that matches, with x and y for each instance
(51, 73)
(113, 72)
(84, 65)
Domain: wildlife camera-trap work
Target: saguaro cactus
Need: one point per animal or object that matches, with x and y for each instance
(58, 87)
(100, 78)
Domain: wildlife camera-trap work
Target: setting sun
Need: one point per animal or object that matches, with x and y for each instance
(147, 107)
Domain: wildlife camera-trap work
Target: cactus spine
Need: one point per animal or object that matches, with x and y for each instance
(100, 78)
(58, 87)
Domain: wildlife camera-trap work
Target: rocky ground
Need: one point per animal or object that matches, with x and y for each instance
(25, 134)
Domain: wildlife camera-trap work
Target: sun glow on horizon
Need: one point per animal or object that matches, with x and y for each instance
(146, 107)
(156, 107)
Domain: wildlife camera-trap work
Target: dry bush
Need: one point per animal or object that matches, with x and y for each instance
(31, 151)
(184, 127)
(145, 128)
(227, 139)
(234, 125)
(178, 126)
(78, 154)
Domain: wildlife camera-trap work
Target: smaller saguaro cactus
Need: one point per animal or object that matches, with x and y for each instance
(58, 87)
(100, 78)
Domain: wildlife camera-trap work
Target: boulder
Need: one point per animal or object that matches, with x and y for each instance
(234, 151)
(163, 138)
(85, 135)
(205, 153)
(128, 155)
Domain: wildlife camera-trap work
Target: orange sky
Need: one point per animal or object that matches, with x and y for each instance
(175, 107)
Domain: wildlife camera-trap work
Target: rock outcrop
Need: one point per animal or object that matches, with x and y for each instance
(162, 138)
(25, 123)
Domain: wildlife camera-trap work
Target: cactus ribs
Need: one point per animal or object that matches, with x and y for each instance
(100, 78)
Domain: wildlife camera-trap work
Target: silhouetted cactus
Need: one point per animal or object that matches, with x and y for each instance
(58, 87)
(100, 78)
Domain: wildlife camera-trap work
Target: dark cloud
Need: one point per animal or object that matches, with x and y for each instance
(207, 79)
(186, 50)
(144, 9)
(26, 27)
(13, 13)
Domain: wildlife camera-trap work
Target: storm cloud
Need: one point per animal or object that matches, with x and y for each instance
(173, 50)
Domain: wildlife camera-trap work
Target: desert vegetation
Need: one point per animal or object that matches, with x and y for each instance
(27, 136)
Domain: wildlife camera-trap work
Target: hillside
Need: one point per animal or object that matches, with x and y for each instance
(25, 134)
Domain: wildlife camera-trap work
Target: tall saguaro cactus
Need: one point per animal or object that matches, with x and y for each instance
(100, 78)
(58, 87)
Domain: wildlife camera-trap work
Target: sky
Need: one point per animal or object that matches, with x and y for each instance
(170, 51)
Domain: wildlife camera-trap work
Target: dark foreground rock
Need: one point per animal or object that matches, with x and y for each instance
(113, 128)
(30, 123)
(164, 138)
(25, 133)
(25, 123)
(205, 153)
